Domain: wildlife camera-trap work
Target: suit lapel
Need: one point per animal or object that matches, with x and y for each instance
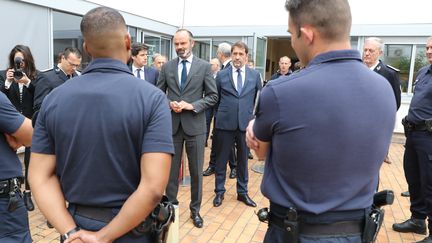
(175, 68)
(230, 74)
(194, 68)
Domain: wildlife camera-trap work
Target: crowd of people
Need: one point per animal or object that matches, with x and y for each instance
(109, 139)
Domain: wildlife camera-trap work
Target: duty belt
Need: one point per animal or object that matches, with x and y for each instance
(97, 213)
(337, 228)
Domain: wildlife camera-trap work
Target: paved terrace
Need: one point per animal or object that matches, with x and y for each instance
(237, 223)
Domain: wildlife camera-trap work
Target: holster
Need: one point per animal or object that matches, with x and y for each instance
(428, 124)
(373, 222)
(158, 222)
(407, 126)
(289, 224)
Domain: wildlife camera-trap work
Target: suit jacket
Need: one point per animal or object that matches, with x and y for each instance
(200, 90)
(24, 105)
(150, 74)
(47, 81)
(234, 111)
(393, 77)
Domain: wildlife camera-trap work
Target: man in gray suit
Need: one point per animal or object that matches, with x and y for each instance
(191, 89)
(237, 87)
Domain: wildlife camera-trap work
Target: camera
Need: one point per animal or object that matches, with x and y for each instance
(18, 73)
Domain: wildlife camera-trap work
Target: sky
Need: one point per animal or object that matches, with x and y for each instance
(266, 12)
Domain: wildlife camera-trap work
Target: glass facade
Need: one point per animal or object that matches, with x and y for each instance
(408, 58)
(67, 33)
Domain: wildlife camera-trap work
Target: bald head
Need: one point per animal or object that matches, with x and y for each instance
(105, 34)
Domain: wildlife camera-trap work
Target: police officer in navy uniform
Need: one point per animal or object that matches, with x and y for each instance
(15, 130)
(110, 162)
(324, 132)
(284, 68)
(418, 153)
(52, 78)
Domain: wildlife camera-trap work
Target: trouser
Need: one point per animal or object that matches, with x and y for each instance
(195, 153)
(418, 173)
(232, 159)
(225, 141)
(14, 226)
(90, 223)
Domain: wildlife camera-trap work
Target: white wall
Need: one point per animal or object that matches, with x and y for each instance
(28, 25)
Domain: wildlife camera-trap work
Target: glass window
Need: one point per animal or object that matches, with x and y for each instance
(420, 60)
(201, 49)
(133, 34)
(154, 44)
(165, 47)
(260, 56)
(399, 56)
(66, 33)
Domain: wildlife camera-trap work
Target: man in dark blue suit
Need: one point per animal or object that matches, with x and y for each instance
(237, 88)
(139, 64)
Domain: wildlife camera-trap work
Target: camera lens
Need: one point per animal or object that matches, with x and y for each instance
(18, 75)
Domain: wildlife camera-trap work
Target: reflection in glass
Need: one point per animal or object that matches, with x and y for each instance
(420, 60)
(67, 33)
(201, 49)
(399, 56)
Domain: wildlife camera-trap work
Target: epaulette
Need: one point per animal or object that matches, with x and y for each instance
(395, 69)
(46, 70)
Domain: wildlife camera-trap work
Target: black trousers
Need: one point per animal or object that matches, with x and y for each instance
(418, 173)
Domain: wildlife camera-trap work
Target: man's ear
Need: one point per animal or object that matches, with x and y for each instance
(128, 42)
(85, 48)
(308, 34)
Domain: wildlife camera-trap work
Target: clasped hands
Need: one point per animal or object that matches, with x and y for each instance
(178, 107)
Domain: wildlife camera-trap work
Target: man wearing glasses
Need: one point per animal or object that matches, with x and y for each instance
(50, 79)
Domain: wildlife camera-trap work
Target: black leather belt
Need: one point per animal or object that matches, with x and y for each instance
(417, 127)
(336, 228)
(97, 213)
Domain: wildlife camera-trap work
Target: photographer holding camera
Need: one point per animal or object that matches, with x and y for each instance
(19, 86)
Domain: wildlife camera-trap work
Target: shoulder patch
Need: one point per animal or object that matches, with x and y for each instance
(393, 68)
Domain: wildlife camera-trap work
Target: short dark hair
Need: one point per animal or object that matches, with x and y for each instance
(100, 20)
(332, 18)
(137, 47)
(71, 50)
(187, 31)
(241, 45)
(30, 67)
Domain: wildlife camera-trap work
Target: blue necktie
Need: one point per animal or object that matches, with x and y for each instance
(139, 73)
(239, 81)
(183, 75)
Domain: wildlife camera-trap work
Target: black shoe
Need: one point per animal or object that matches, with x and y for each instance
(28, 201)
(217, 201)
(426, 240)
(49, 225)
(250, 156)
(209, 171)
(197, 220)
(246, 199)
(411, 225)
(405, 194)
(233, 174)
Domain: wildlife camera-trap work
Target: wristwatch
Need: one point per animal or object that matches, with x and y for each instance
(69, 233)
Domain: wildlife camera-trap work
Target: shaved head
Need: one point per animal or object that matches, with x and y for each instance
(105, 33)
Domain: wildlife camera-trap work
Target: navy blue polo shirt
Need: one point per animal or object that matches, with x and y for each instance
(329, 127)
(421, 102)
(10, 121)
(98, 125)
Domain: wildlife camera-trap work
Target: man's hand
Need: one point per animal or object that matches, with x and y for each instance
(185, 105)
(178, 107)
(251, 140)
(13, 142)
(85, 236)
